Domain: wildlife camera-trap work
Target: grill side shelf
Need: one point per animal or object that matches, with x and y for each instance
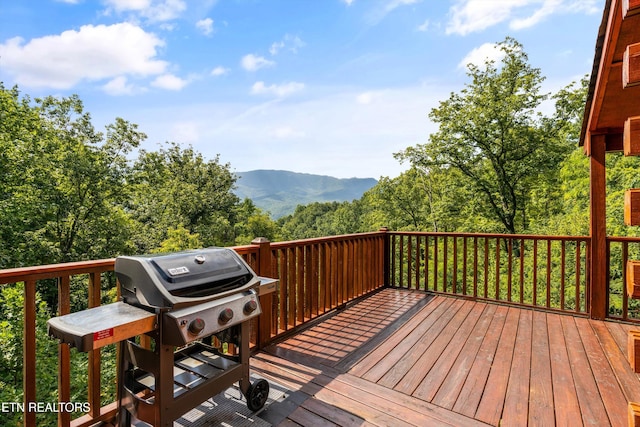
(96, 327)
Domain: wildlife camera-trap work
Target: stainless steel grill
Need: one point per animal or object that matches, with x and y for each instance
(196, 307)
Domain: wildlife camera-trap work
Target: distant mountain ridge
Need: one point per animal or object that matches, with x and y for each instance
(279, 192)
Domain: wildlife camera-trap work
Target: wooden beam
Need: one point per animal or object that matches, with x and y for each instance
(633, 279)
(634, 414)
(631, 66)
(598, 228)
(631, 136)
(632, 207)
(633, 350)
(630, 8)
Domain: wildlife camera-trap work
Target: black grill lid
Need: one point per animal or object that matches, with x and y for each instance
(182, 278)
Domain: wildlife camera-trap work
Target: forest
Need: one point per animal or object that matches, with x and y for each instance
(505, 159)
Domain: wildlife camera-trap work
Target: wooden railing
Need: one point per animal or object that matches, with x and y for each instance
(320, 275)
(619, 251)
(546, 272)
(316, 276)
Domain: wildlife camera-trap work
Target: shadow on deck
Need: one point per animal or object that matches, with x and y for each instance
(406, 358)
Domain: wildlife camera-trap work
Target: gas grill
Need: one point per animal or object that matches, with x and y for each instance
(195, 306)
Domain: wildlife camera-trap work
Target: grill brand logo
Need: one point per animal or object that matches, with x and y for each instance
(178, 271)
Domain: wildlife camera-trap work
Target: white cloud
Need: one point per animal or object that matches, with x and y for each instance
(468, 16)
(128, 5)
(280, 91)
(291, 43)
(118, 86)
(479, 55)
(169, 82)
(220, 71)
(91, 53)
(348, 2)
(205, 26)
(365, 98)
(253, 62)
(424, 26)
(155, 11)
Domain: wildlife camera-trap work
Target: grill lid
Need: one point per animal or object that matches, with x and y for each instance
(183, 278)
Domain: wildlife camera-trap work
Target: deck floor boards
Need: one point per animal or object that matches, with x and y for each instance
(406, 358)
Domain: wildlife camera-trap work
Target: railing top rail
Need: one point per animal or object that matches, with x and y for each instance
(623, 239)
(39, 272)
(489, 235)
(303, 242)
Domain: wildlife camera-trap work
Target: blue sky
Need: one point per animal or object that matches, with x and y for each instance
(331, 87)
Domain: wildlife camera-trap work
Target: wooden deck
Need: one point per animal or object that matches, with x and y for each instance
(405, 358)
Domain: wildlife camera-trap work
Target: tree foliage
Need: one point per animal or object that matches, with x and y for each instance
(493, 133)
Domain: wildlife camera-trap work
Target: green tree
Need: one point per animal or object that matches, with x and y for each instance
(493, 133)
(175, 187)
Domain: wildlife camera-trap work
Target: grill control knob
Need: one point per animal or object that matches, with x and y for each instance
(225, 315)
(250, 306)
(196, 326)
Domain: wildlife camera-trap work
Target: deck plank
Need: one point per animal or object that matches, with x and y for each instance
(474, 385)
(490, 407)
(429, 386)
(406, 357)
(610, 391)
(465, 362)
(516, 405)
(540, 388)
(591, 406)
(405, 336)
(422, 361)
(567, 408)
(619, 363)
(451, 386)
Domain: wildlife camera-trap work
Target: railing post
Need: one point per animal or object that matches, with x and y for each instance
(386, 264)
(598, 229)
(263, 264)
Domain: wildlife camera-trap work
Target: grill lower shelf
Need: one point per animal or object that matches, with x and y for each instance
(192, 367)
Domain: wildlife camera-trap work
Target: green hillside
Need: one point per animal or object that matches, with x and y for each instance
(279, 192)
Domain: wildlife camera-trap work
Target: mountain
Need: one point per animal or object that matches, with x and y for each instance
(279, 192)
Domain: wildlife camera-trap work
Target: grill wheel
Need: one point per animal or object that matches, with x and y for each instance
(257, 395)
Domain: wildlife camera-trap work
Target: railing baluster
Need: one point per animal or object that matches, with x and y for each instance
(486, 267)
(454, 284)
(417, 284)
(29, 355)
(509, 269)
(562, 273)
(64, 356)
(435, 263)
(578, 263)
(535, 273)
(445, 270)
(94, 355)
(498, 269)
(625, 297)
(548, 273)
(464, 265)
(475, 267)
(522, 271)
